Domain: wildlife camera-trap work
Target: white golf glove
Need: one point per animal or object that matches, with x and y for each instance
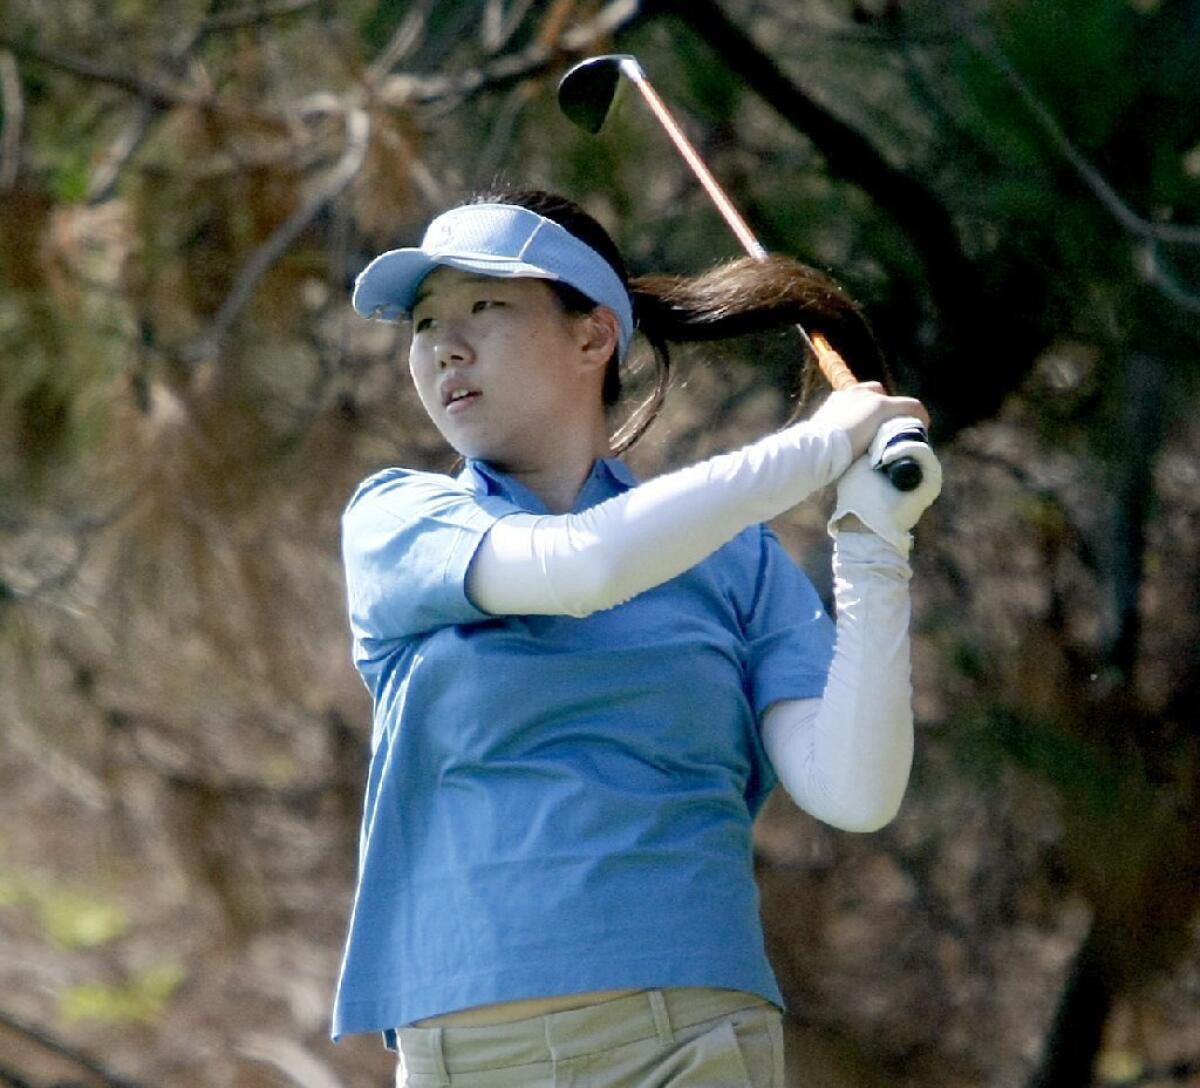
(867, 493)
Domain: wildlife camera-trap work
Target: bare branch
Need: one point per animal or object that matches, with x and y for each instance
(14, 115)
(79, 531)
(158, 94)
(406, 37)
(54, 1046)
(554, 21)
(1091, 177)
(291, 1059)
(1080, 545)
(208, 344)
(498, 28)
(133, 133)
(1152, 271)
(403, 90)
(71, 776)
(396, 91)
(255, 15)
(885, 36)
(418, 169)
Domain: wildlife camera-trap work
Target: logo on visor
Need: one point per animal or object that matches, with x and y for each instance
(443, 234)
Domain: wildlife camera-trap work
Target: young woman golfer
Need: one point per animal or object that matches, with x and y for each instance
(586, 686)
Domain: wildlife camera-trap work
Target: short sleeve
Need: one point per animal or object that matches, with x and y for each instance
(789, 634)
(408, 539)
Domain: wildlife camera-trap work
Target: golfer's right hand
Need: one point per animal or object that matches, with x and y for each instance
(860, 409)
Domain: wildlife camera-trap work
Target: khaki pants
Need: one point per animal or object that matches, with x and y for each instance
(679, 1038)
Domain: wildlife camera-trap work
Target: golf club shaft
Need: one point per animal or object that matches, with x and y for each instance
(724, 205)
(832, 365)
(905, 473)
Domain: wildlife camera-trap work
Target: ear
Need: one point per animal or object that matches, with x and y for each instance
(599, 335)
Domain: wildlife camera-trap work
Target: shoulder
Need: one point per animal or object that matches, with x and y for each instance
(405, 494)
(399, 483)
(392, 509)
(408, 538)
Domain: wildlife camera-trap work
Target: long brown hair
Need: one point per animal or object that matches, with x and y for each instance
(732, 299)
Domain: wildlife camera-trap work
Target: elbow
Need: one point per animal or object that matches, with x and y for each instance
(866, 819)
(864, 812)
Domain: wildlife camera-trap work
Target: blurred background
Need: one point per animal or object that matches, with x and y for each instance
(187, 190)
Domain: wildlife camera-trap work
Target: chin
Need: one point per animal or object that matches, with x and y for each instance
(480, 445)
(474, 449)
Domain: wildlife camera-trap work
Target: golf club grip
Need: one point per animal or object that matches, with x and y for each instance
(832, 365)
(904, 472)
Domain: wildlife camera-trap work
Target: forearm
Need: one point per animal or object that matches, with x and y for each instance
(576, 564)
(846, 757)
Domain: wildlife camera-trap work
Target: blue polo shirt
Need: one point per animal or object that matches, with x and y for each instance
(556, 805)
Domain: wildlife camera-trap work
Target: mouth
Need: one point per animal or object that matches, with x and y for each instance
(457, 400)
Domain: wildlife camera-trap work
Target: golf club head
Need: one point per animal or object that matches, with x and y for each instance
(587, 92)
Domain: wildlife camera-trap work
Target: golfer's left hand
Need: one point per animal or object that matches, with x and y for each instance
(866, 494)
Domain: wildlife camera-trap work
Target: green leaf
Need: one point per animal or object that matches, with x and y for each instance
(76, 919)
(141, 999)
(69, 180)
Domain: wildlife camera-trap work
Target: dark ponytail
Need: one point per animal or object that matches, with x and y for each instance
(733, 299)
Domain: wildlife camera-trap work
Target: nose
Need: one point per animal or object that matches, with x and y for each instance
(451, 348)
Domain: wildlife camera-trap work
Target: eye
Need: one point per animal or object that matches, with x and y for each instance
(423, 324)
(484, 303)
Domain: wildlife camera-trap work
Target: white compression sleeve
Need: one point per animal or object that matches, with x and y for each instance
(845, 758)
(576, 564)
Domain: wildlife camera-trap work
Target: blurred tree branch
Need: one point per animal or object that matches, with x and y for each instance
(122, 149)
(13, 102)
(405, 38)
(60, 1049)
(291, 1059)
(407, 89)
(208, 344)
(397, 91)
(1146, 234)
(497, 26)
(1098, 185)
(1149, 265)
(1081, 547)
(78, 532)
(137, 128)
(155, 92)
(255, 15)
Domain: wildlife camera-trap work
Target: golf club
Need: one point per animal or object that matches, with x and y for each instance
(586, 95)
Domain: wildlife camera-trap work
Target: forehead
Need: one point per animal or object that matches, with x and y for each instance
(445, 280)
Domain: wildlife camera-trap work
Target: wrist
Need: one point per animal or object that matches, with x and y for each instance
(865, 552)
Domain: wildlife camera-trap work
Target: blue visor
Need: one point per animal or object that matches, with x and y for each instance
(492, 240)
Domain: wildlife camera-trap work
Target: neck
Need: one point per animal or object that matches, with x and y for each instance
(558, 484)
(556, 468)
